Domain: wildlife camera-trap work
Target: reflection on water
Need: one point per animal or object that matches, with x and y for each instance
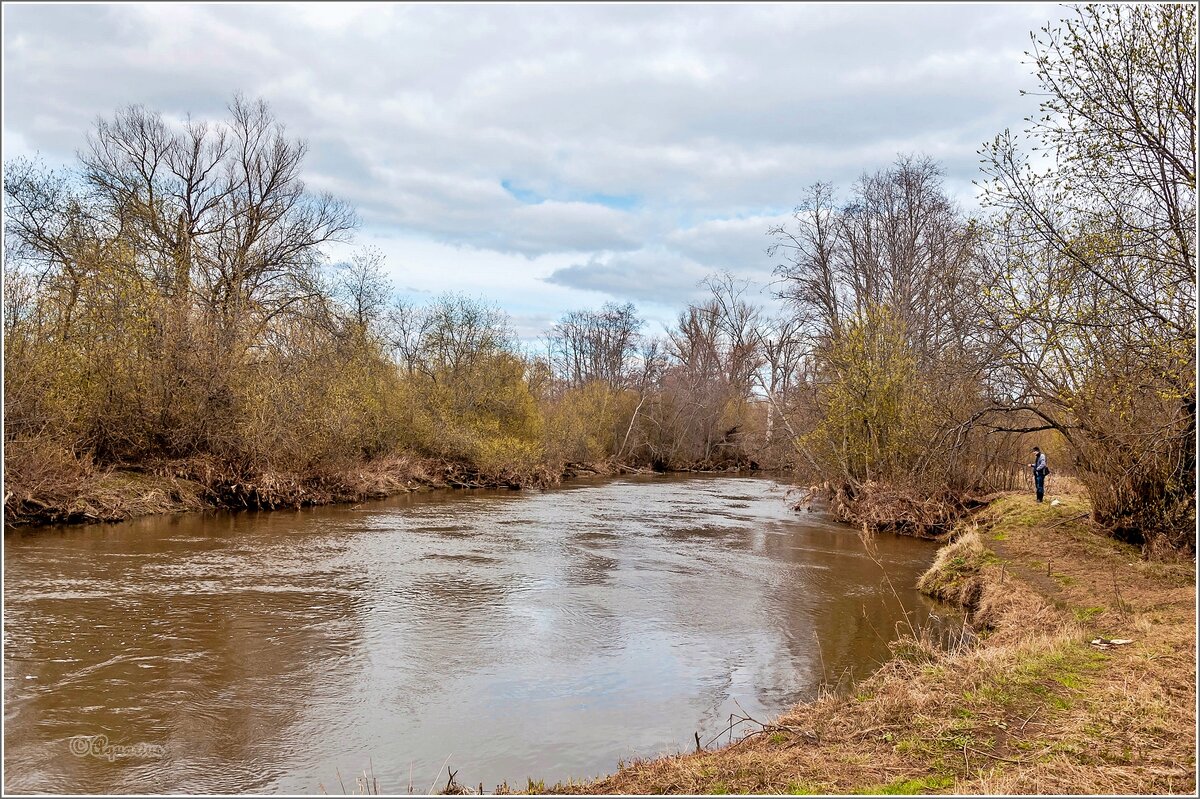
(545, 634)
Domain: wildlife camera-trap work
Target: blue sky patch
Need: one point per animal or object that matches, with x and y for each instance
(618, 202)
(527, 196)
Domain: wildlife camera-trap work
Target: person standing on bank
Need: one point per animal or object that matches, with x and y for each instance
(1040, 470)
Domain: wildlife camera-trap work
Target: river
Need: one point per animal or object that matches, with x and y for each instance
(498, 634)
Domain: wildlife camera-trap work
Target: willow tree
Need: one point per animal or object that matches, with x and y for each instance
(1093, 258)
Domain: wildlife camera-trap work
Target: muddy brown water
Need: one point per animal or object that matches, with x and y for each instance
(502, 635)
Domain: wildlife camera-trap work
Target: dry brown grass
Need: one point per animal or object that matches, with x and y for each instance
(54, 486)
(48, 483)
(1032, 708)
(895, 508)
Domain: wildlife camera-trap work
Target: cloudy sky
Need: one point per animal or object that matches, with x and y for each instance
(549, 157)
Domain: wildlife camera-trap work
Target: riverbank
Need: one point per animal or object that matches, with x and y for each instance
(1031, 706)
(79, 493)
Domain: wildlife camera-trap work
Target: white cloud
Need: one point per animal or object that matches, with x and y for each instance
(709, 120)
(734, 245)
(649, 275)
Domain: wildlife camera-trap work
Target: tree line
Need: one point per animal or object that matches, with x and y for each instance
(168, 305)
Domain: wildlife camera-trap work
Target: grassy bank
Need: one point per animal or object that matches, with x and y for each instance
(1031, 707)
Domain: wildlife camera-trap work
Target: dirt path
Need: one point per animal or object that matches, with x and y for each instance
(1032, 707)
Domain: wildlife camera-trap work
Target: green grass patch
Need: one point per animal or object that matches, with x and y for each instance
(1023, 512)
(1049, 679)
(1071, 681)
(936, 782)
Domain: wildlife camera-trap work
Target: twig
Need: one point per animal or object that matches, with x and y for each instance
(821, 654)
(1061, 522)
(1030, 716)
(994, 757)
(750, 735)
(732, 724)
(873, 553)
(849, 669)
(1117, 594)
(872, 626)
(773, 728)
(439, 771)
(735, 720)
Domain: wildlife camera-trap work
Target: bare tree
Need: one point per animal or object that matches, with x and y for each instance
(596, 345)
(365, 289)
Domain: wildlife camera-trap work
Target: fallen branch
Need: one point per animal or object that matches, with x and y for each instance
(746, 718)
(1074, 518)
